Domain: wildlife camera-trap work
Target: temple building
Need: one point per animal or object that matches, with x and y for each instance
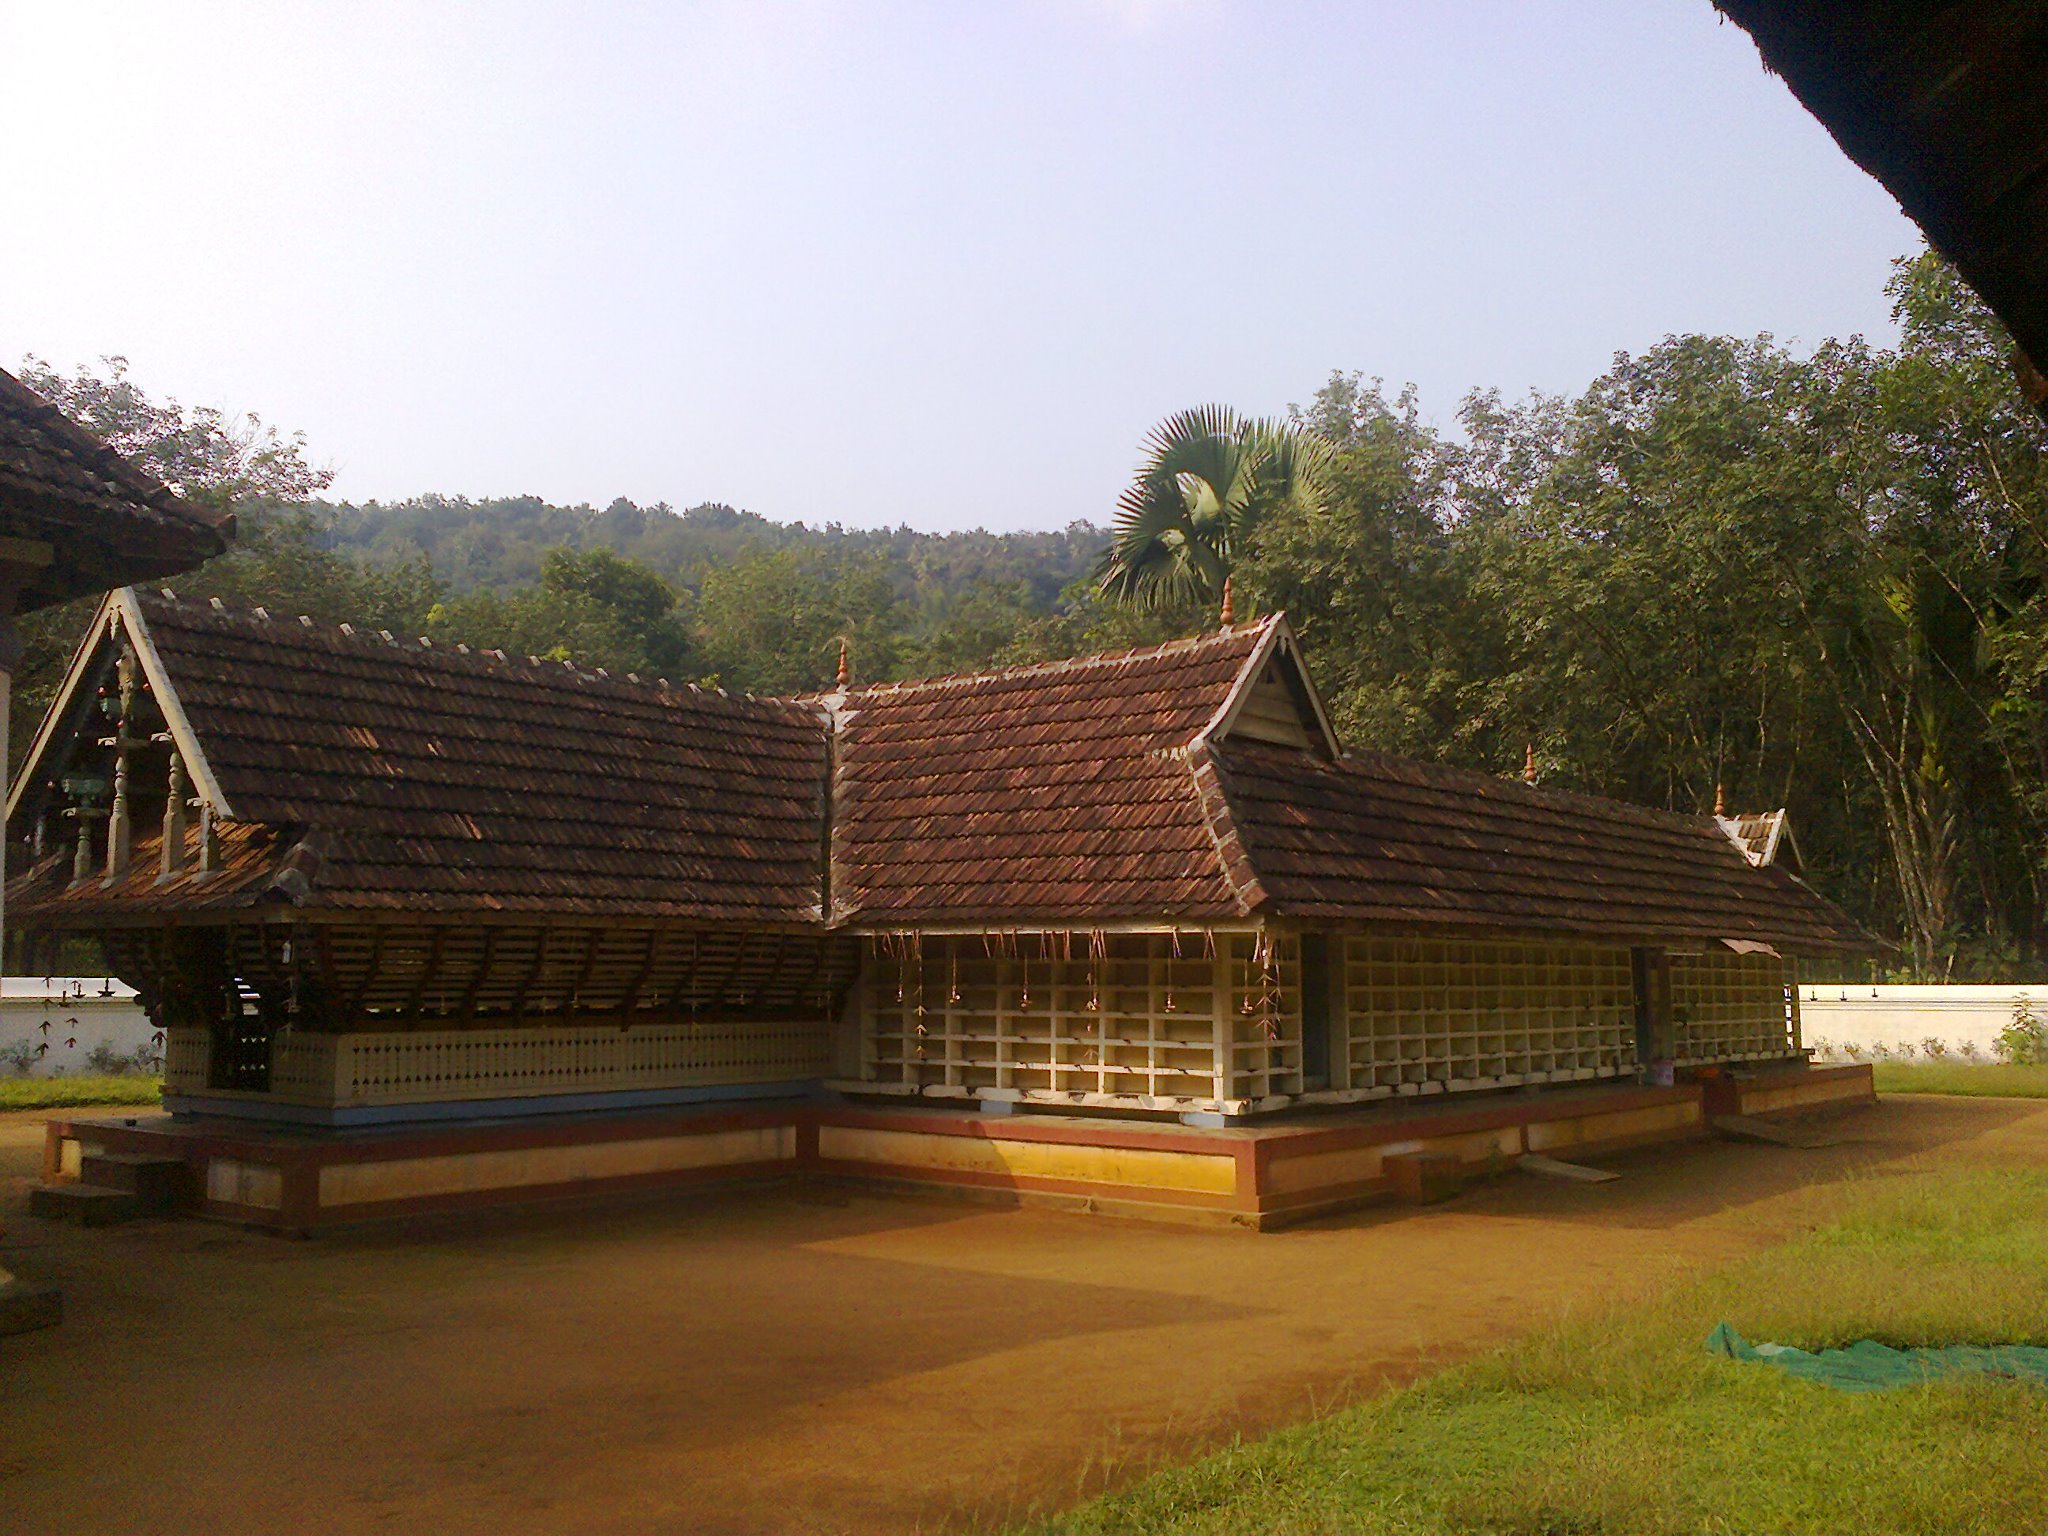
(423, 923)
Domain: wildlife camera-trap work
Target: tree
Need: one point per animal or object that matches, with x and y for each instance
(1369, 574)
(1208, 478)
(204, 454)
(774, 623)
(589, 606)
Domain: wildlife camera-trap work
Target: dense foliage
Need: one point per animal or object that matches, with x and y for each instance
(1814, 580)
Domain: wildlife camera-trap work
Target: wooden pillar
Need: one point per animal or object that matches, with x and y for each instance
(81, 858)
(1224, 1007)
(173, 858)
(120, 833)
(1340, 1011)
(1656, 1039)
(120, 828)
(209, 840)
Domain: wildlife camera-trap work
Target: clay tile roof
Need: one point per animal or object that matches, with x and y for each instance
(1063, 791)
(1374, 838)
(358, 772)
(107, 521)
(425, 778)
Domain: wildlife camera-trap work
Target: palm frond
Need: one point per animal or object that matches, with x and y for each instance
(1208, 474)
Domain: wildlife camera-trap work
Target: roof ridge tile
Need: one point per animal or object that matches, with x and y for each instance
(1242, 636)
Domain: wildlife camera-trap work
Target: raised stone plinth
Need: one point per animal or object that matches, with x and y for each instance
(1261, 1175)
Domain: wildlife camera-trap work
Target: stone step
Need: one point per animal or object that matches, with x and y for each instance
(159, 1184)
(1423, 1178)
(87, 1204)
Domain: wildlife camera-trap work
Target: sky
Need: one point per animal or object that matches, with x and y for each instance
(935, 263)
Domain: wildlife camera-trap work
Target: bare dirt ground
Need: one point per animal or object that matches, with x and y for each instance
(806, 1360)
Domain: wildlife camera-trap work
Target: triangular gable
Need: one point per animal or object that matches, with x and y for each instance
(117, 622)
(1274, 701)
(372, 773)
(1762, 836)
(1052, 794)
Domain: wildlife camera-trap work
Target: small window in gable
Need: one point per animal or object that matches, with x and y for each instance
(1277, 709)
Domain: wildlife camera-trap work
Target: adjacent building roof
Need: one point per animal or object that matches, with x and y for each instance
(1190, 783)
(105, 522)
(1942, 104)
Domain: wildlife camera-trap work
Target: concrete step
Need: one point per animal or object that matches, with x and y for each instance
(159, 1184)
(87, 1204)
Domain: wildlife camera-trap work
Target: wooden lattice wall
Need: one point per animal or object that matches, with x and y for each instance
(1158, 1020)
(1436, 1015)
(423, 1066)
(1727, 1007)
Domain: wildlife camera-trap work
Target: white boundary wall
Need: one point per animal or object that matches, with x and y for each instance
(80, 1019)
(1838, 1015)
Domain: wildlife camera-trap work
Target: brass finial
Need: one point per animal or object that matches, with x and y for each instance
(1529, 763)
(845, 671)
(1228, 609)
(1720, 799)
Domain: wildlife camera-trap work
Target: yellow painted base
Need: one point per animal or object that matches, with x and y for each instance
(464, 1173)
(1122, 1167)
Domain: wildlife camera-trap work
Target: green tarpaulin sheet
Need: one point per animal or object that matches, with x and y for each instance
(1868, 1366)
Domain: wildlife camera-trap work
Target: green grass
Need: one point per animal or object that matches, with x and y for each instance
(1624, 1423)
(77, 1092)
(1976, 1079)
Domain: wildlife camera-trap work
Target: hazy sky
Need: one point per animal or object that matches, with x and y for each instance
(941, 263)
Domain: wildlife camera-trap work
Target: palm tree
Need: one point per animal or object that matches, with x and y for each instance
(1209, 475)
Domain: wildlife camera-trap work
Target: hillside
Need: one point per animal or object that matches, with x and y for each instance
(499, 543)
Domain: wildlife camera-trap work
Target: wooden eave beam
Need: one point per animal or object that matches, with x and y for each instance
(428, 972)
(484, 962)
(629, 1000)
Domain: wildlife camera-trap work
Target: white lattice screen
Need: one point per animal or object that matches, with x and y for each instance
(1434, 1015)
(1151, 1020)
(1727, 1007)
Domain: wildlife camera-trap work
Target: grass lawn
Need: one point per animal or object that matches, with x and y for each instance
(77, 1092)
(1624, 1422)
(1978, 1079)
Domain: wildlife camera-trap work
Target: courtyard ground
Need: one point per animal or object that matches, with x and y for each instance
(808, 1359)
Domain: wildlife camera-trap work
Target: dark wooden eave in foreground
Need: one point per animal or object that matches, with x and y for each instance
(106, 523)
(1942, 103)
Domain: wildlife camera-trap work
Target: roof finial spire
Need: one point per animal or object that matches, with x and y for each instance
(845, 671)
(1720, 799)
(1529, 762)
(1229, 611)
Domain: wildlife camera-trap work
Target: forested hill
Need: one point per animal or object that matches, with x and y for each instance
(500, 542)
